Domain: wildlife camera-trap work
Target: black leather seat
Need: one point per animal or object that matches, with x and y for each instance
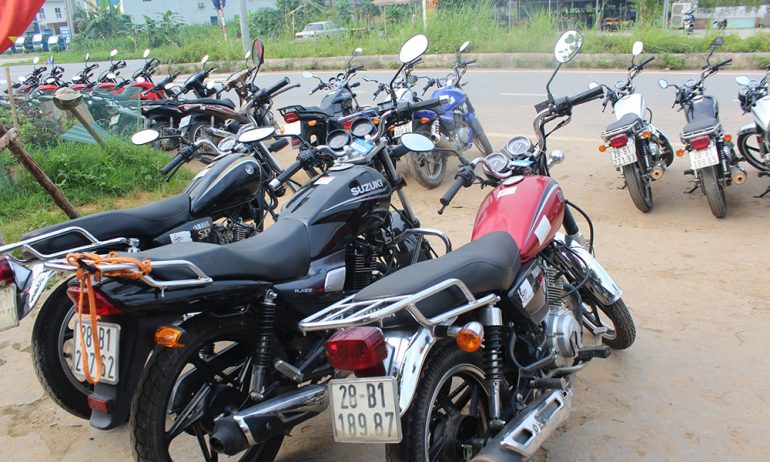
(325, 110)
(282, 252)
(224, 101)
(699, 124)
(488, 264)
(625, 121)
(143, 223)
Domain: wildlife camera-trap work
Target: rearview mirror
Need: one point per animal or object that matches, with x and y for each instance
(416, 142)
(357, 52)
(593, 85)
(146, 53)
(307, 75)
(36, 60)
(205, 59)
(568, 45)
(258, 52)
(256, 134)
(413, 48)
(145, 137)
(556, 156)
(113, 53)
(88, 56)
(464, 46)
(743, 80)
(717, 42)
(662, 83)
(637, 49)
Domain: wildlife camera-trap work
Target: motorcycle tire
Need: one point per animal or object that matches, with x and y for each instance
(714, 190)
(480, 138)
(162, 127)
(640, 191)
(445, 366)
(750, 146)
(428, 168)
(150, 406)
(48, 357)
(623, 328)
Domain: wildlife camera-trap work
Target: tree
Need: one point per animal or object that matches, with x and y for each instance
(162, 31)
(344, 11)
(367, 10)
(102, 22)
(266, 22)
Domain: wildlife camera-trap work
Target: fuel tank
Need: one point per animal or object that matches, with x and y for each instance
(340, 101)
(530, 209)
(232, 180)
(761, 112)
(630, 104)
(344, 202)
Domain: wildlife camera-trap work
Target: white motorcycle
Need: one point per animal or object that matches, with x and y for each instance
(753, 139)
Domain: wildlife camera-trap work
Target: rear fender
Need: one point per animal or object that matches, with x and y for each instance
(407, 352)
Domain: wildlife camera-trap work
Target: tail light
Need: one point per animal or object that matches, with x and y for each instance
(290, 117)
(356, 349)
(99, 404)
(619, 141)
(295, 143)
(6, 271)
(700, 143)
(103, 306)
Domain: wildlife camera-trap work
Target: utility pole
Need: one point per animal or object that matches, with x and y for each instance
(69, 7)
(244, 19)
(665, 14)
(424, 15)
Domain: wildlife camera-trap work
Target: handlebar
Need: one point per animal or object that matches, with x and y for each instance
(723, 63)
(586, 96)
(645, 62)
(452, 191)
(278, 145)
(355, 69)
(178, 159)
(290, 171)
(266, 92)
(408, 108)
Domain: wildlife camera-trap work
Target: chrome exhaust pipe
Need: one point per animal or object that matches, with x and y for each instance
(257, 424)
(738, 175)
(524, 435)
(658, 170)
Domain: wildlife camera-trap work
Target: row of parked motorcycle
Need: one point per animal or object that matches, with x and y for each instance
(213, 332)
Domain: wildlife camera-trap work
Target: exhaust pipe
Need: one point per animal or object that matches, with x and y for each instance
(259, 423)
(738, 175)
(658, 170)
(524, 435)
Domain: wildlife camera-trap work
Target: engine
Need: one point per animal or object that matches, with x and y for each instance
(564, 334)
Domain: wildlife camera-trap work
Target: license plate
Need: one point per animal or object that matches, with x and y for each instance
(624, 155)
(704, 157)
(294, 128)
(185, 121)
(114, 119)
(9, 315)
(401, 129)
(365, 410)
(109, 339)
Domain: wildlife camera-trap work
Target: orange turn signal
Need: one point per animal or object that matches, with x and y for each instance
(680, 152)
(169, 336)
(602, 148)
(469, 338)
(646, 134)
(376, 121)
(728, 138)
(424, 120)
(312, 123)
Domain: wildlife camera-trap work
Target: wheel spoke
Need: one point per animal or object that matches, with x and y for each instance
(186, 417)
(474, 407)
(447, 405)
(204, 447)
(437, 449)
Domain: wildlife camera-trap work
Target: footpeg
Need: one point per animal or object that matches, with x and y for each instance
(589, 353)
(291, 372)
(548, 383)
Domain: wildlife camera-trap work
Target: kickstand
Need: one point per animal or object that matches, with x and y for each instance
(767, 191)
(694, 188)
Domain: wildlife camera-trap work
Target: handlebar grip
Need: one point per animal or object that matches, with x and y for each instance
(355, 84)
(356, 68)
(586, 96)
(469, 62)
(646, 62)
(398, 151)
(178, 159)
(725, 62)
(427, 104)
(278, 145)
(277, 86)
(285, 175)
(452, 191)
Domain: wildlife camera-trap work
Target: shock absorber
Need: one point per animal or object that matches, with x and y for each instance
(492, 319)
(264, 345)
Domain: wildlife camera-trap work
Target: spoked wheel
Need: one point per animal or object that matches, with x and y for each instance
(714, 190)
(164, 128)
(751, 147)
(428, 168)
(640, 190)
(448, 419)
(182, 392)
(621, 331)
(200, 131)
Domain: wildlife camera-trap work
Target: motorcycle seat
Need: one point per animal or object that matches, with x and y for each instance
(143, 223)
(699, 124)
(280, 253)
(488, 264)
(326, 110)
(224, 101)
(625, 121)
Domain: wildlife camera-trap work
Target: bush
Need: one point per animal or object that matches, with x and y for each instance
(266, 22)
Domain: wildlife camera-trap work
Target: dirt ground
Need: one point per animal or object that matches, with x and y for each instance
(694, 386)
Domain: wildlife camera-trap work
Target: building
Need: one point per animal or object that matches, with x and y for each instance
(189, 11)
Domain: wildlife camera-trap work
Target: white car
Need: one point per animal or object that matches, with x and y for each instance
(316, 29)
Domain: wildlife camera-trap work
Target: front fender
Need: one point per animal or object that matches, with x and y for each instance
(600, 283)
(407, 352)
(748, 129)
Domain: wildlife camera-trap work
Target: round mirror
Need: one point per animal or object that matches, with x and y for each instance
(416, 142)
(258, 52)
(464, 46)
(413, 48)
(717, 42)
(145, 136)
(88, 56)
(593, 85)
(256, 134)
(140, 80)
(568, 45)
(76, 78)
(146, 53)
(113, 53)
(662, 83)
(307, 75)
(637, 49)
(358, 52)
(205, 59)
(743, 80)
(557, 156)
(111, 76)
(36, 60)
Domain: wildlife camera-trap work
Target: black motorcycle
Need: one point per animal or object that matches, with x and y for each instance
(712, 153)
(226, 202)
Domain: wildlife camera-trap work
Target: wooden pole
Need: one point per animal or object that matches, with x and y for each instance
(9, 139)
(11, 98)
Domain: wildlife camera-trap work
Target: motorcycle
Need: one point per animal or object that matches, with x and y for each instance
(712, 155)
(637, 148)
(226, 202)
(753, 139)
(688, 21)
(471, 356)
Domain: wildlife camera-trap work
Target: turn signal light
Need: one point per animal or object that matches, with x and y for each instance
(6, 272)
(312, 123)
(728, 137)
(619, 141)
(290, 117)
(469, 338)
(424, 120)
(700, 143)
(103, 306)
(169, 336)
(646, 134)
(680, 152)
(356, 348)
(602, 148)
(376, 121)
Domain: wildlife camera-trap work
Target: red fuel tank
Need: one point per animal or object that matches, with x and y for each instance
(530, 209)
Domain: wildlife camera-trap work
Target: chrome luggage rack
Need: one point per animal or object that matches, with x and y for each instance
(349, 313)
(201, 279)
(715, 129)
(95, 243)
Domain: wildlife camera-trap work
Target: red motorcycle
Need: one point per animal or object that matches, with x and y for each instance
(475, 351)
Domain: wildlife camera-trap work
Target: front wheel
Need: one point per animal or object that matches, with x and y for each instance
(621, 330)
(449, 411)
(480, 138)
(640, 190)
(751, 146)
(428, 168)
(714, 190)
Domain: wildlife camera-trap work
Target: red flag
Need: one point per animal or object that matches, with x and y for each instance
(15, 17)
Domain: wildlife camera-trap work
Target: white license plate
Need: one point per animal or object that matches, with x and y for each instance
(704, 157)
(114, 119)
(185, 121)
(365, 410)
(109, 340)
(9, 315)
(624, 155)
(294, 128)
(401, 129)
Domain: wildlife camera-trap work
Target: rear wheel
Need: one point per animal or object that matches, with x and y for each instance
(714, 190)
(199, 130)
(751, 147)
(428, 168)
(640, 190)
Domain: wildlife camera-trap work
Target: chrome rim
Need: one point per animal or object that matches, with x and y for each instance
(66, 344)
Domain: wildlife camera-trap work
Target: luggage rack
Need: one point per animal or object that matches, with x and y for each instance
(349, 313)
(95, 243)
(706, 131)
(201, 278)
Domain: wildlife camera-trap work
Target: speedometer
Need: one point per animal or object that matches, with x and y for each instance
(517, 146)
